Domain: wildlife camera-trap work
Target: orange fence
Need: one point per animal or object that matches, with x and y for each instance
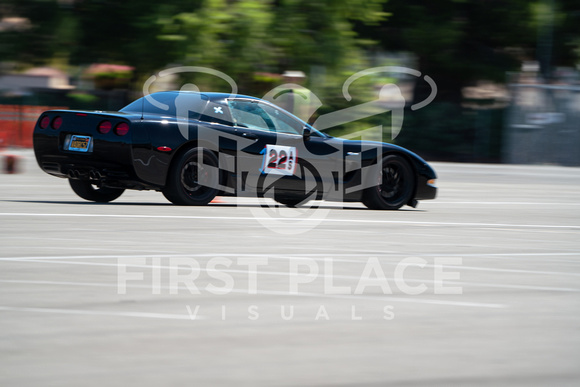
(17, 124)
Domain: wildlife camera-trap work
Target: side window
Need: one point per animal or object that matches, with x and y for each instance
(217, 113)
(250, 114)
(282, 121)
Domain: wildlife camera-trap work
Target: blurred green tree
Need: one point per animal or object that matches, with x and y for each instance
(460, 41)
(27, 31)
(124, 32)
(228, 36)
(456, 41)
(247, 36)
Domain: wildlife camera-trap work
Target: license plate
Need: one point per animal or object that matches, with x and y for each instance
(80, 143)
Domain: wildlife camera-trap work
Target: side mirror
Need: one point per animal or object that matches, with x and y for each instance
(306, 133)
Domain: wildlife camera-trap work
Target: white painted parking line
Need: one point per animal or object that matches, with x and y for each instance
(510, 203)
(164, 316)
(297, 219)
(475, 268)
(382, 298)
(390, 279)
(333, 276)
(314, 257)
(362, 253)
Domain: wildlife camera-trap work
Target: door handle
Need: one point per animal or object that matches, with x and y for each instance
(249, 135)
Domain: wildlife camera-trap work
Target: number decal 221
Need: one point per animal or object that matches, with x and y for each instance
(279, 160)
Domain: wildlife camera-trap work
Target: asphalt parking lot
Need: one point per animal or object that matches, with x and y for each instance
(479, 287)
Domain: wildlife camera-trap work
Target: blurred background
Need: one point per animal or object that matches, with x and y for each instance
(507, 72)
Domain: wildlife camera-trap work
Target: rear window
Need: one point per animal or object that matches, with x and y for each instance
(170, 104)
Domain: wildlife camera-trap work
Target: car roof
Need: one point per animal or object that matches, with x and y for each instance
(212, 96)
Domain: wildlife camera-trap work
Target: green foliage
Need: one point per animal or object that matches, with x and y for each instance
(459, 42)
(447, 131)
(33, 41)
(456, 42)
(443, 131)
(82, 100)
(231, 37)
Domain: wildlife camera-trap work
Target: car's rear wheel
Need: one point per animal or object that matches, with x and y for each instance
(89, 191)
(394, 185)
(193, 179)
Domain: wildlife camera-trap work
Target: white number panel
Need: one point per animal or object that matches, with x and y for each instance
(279, 160)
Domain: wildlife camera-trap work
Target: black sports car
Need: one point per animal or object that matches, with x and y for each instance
(193, 146)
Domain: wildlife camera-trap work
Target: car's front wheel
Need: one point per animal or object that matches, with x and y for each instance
(394, 185)
(88, 191)
(193, 179)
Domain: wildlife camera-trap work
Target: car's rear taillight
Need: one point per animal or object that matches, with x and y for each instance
(44, 122)
(56, 122)
(105, 127)
(122, 129)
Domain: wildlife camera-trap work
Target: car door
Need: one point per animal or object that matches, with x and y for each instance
(280, 156)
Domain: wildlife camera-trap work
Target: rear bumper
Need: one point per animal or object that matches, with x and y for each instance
(62, 166)
(109, 163)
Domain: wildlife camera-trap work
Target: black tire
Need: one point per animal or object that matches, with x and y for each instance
(88, 191)
(191, 183)
(395, 185)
